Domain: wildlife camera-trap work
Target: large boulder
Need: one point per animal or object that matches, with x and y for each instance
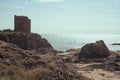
(94, 50)
(28, 41)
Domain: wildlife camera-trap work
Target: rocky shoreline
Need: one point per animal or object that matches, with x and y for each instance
(95, 69)
(115, 44)
(92, 63)
(28, 56)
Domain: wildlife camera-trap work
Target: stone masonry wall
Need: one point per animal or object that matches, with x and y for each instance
(22, 24)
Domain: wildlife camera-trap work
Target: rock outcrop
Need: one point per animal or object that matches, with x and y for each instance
(16, 63)
(28, 41)
(115, 44)
(94, 50)
(112, 63)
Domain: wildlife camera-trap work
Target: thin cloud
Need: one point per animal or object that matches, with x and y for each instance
(46, 1)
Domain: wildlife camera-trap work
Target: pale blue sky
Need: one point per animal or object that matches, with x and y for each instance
(64, 16)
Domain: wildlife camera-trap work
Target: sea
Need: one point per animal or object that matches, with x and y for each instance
(64, 42)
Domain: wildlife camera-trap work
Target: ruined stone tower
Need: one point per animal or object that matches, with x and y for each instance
(22, 24)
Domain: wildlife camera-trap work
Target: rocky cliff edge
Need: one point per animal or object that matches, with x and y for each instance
(27, 41)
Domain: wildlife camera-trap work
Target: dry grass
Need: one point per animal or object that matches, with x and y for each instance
(17, 64)
(41, 73)
(10, 73)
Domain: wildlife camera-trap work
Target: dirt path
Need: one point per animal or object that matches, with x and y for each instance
(97, 74)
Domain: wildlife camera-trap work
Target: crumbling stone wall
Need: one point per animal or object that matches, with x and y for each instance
(22, 24)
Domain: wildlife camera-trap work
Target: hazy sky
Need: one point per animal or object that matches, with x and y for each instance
(64, 16)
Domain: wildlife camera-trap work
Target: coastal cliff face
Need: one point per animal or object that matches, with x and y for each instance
(28, 41)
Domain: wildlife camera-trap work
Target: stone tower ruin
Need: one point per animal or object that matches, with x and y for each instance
(22, 24)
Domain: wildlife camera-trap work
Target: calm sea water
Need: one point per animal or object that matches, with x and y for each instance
(65, 42)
